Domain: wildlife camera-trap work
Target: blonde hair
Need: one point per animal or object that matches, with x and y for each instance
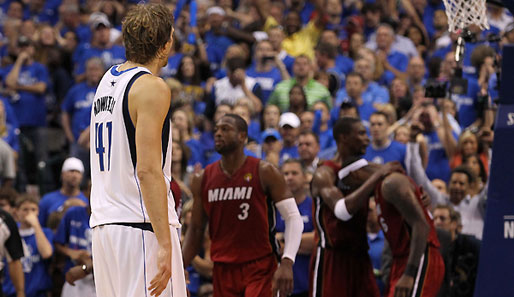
(146, 30)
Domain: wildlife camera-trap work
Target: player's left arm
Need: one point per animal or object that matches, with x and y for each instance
(398, 191)
(274, 185)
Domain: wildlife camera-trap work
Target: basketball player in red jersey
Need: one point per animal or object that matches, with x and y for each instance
(340, 266)
(418, 268)
(236, 196)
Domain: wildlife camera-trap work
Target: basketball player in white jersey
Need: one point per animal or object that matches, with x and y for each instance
(136, 248)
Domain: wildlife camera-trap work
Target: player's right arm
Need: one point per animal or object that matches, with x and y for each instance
(195, 232)
(149, 102)
(323, 185)
(398, 191)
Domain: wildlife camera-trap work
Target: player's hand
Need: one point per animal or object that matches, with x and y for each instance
(283, 278)
(390, 167)
(74, 274)
(161, 279)
(403, 287)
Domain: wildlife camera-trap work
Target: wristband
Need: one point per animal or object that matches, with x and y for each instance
(411, 270)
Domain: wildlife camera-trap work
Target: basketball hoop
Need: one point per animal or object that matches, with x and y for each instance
(462, 13)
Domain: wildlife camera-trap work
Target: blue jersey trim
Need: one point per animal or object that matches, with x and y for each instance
(144, 261)
(118, 73)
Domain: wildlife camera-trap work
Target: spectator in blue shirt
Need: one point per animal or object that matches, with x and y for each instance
(376, 241)
(215, 39)
(71, 176)
(276, 36)
(394, 62)
(296, 179)
(267, 68)
(38, 250)
(183, 121)
(343, 63)
(76, 109)
(381, 148)
(324, 129)
(73, 240)
(28, 80)
(326, 60)
(99, 46)
(371, 92)
(441, 140)
(289, 129)
(354, 94)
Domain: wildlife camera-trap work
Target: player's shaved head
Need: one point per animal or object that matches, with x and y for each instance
(239, 122)
(344, 126)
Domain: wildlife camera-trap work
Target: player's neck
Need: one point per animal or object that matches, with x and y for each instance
(230, 163)
(300, 196)
(153, 66)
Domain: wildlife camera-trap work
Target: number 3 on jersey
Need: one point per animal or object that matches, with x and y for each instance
(245, 207)
(99, 144)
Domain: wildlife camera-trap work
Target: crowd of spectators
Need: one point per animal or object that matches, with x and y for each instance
(290, 69)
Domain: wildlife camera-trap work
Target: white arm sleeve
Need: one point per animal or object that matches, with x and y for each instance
(341, 211)
(294, 227)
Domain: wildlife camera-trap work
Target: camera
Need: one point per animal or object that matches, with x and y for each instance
(435, 88)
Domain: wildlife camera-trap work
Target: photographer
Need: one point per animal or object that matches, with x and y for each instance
(441, 140)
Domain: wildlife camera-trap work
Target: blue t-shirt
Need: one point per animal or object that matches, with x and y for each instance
(376, 246)
(170, 70)
(288, 62)
(398, 61)
(428, 16)
(109, 56)
(267, 80)
(438, 163)
(466, 104)
(35, 268)
(344, 63)
(374, 93)
(216, 47)
(74, 231)
(51, 202)
(30, 108)
(301, 264)
(396, 151)
(290, 152)
(77, 104)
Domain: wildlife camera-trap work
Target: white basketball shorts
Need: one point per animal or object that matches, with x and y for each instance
(125, 261)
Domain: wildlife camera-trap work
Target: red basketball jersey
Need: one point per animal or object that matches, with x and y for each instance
(334, 233)
(394, 226)
(241, 217)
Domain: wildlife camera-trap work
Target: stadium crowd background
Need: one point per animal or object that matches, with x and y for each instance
(290, 69)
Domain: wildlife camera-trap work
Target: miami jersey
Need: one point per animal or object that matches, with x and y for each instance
(241, 217)
(337, 234)
(115, 184)
(394, 226)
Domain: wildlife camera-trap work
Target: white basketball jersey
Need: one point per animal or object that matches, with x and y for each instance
(115, 193)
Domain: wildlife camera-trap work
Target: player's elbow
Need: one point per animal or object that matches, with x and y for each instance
(147, 173)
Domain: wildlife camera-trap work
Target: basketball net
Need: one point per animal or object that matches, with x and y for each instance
(462, 13)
